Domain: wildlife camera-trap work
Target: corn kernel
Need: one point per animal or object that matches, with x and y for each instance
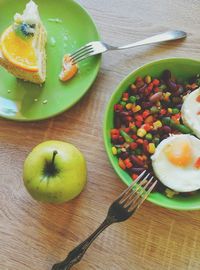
(114, 150)
(147, 79)
(136, 108)
(170, 193)
(151, 148)
(141, 132)
(129, 106)
(169, 110)
(157, 124)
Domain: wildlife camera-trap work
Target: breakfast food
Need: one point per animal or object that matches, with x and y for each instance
(148, 112)
(22, 46)
(69, 69)
(191, 111)
(176, 162)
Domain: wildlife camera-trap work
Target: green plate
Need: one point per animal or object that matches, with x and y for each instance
(181, 68)
(25, 101)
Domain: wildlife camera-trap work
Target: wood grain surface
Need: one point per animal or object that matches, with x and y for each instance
(33, 236)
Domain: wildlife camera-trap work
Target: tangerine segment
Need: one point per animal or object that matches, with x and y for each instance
(19, 51)
(69, 68)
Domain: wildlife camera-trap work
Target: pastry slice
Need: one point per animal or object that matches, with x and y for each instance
(22, 46)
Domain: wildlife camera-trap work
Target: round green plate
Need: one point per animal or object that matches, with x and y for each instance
(25, 101)
(181, 68)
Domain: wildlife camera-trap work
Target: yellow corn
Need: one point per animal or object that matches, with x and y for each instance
(136, 108)
(170, 193)
(147, 79)
(151, 148)
(129, 106)
(169, 110)
(157, 124)
(114, 150)
(141, 132)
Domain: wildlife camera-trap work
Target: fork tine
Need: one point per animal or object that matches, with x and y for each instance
(131, 185)
(136, 195)
(83, 48)
(82, 53)
(147, 193)
(82, 57)
(134, 206)
(133, 192)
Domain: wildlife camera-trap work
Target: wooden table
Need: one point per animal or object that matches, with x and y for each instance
(33, 236)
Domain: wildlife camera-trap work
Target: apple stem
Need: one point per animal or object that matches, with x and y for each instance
(53, 157)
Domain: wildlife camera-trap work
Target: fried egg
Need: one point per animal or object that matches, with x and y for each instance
(176, 162)
(191, 111)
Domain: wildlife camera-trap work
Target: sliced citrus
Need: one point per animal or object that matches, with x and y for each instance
(69, 69)
(19, 51)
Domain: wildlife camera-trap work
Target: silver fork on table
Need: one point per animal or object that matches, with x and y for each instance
(120, 210)
(97, 47)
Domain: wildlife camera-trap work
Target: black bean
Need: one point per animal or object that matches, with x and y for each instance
(166, 75)
(136, 160)
(165, 136)
(179, 106)
(124, 155)
(177, 100)
(172, 85)
(166, 130)
(153, 132)
(146, 105)
(142, 89)
(117, 121)
(124, 114)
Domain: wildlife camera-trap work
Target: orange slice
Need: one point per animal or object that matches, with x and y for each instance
(19, 51)
(69, 69)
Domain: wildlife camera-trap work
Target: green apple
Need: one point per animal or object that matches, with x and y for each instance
(55, 172)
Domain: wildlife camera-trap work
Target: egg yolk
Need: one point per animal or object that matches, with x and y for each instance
(179, 154)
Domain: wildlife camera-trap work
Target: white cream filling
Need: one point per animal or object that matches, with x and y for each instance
(30, 14)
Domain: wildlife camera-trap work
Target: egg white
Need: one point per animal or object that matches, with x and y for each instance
(180, 179)
(190, 110)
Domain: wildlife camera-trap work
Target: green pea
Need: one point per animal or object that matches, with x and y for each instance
(132, 99)
(119, 151)
(123, 103)
(148, 137)
(175, 111)
(154, 109)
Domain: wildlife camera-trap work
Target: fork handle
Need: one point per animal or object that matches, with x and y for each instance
(77, 253)
(170, 35)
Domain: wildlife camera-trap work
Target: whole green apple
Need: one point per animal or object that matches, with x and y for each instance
(55, 172)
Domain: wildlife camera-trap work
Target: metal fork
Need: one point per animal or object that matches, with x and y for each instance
(97, 47)
(121, 209)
